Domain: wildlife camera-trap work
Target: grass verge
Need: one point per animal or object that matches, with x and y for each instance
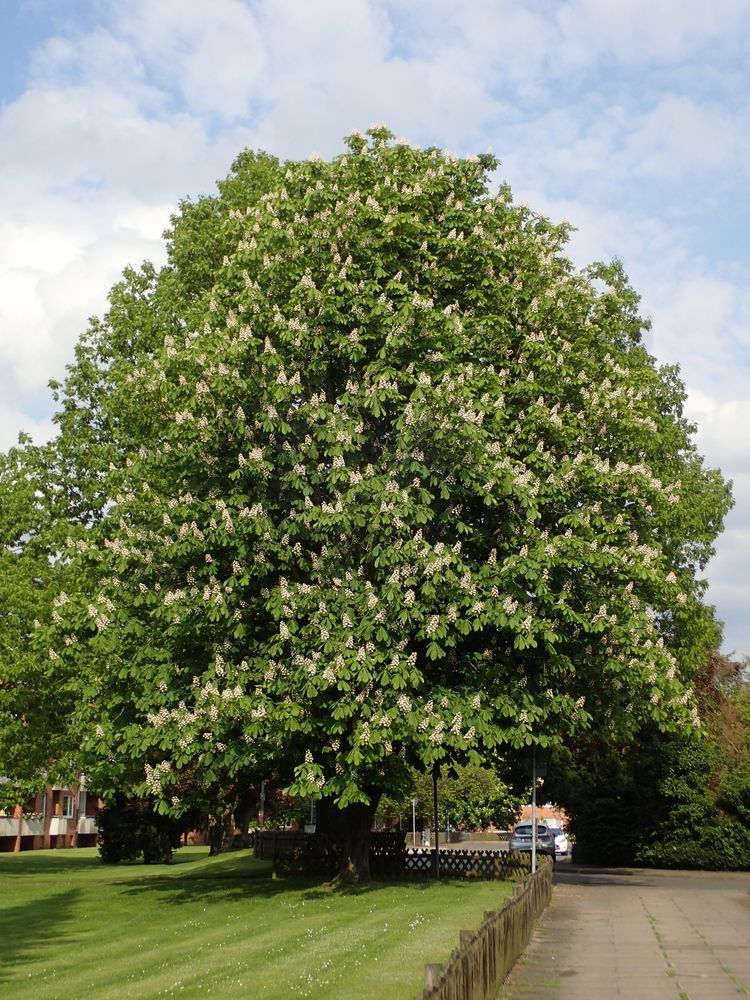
(220, 927)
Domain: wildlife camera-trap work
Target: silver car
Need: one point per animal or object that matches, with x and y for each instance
(520, 839)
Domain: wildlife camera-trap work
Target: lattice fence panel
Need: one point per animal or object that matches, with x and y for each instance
(417, 863)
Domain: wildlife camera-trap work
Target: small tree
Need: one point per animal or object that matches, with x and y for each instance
(370, 476)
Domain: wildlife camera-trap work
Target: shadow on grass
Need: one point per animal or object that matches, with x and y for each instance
(234, 877)
(210, 889)
(27, 929)
(76, 862)
(416, 885)
(45, 863)
(217, 890)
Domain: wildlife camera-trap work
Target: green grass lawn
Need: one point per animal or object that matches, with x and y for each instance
(220, 927)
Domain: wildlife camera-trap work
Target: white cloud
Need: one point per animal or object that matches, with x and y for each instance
(86, 186)
(44, 247)
(511, 41)
(636, 31)
(722, 435)
(215, 57)
(13, 422)
(536, 47)
(92, 60)
(703, 321)
(26, 339)
(729, 587)
(78, 142)
(145, 221)
(42, 312)
(679, 137)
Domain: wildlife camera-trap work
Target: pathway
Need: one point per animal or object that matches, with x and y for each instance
(639, 935)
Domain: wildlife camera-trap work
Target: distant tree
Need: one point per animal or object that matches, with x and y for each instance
(469, 797)
(369, 476)
(671, 800)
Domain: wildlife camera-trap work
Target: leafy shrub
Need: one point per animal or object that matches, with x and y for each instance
(129, 829)
(722, 845)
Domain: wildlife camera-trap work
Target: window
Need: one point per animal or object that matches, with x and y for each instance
(67, 806)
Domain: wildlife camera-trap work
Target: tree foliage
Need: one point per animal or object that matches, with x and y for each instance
(369, 475)
(38, 699)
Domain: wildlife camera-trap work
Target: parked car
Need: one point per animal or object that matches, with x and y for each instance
(562, 844)
(520, 839)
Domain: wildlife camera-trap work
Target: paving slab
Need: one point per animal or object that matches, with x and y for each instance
(639, 935)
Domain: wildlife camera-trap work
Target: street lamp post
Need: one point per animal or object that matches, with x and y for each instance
(537, 766)
(435, 775)
(533, 810)
(262, 811)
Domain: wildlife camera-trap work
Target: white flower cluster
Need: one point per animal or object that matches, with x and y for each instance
(155, 776)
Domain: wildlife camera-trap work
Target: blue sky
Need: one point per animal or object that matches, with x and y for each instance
(629, 118)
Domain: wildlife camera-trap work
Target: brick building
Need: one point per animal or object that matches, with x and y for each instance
(56, 818)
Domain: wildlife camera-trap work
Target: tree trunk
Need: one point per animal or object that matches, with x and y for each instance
(244, 812)
(220, 830)
(346, 835)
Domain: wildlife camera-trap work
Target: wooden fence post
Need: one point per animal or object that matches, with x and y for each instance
(432, 974)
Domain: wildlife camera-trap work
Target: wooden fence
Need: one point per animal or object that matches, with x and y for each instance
(295, 851)
(477, 968)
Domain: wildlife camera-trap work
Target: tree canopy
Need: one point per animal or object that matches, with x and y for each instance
(369, 475)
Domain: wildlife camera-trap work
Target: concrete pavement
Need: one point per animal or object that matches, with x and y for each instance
(639, 935)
